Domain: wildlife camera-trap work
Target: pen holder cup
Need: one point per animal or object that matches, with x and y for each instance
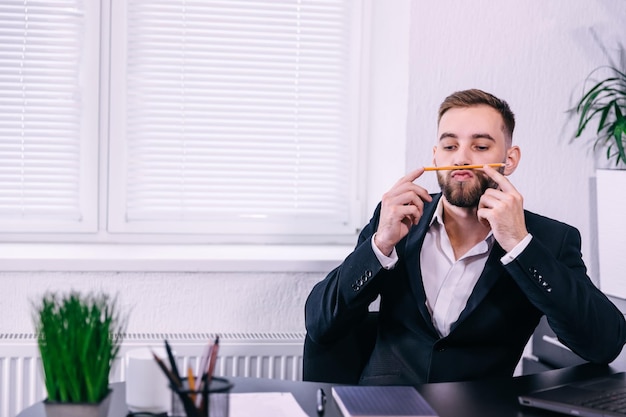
(211, 402)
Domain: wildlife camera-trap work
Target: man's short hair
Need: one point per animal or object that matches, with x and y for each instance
(475, 97)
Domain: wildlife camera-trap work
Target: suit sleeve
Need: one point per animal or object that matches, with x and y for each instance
(556, 282)
(341, 301)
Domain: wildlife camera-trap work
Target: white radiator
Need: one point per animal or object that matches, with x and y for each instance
(257, 355)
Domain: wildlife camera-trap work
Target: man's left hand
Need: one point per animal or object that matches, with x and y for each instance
(503, 209)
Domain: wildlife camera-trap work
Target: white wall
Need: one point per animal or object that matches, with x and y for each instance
(530, 53)
(534, 54)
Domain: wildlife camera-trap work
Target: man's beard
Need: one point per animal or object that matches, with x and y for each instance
(467, 193)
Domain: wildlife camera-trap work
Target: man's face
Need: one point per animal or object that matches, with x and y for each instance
(468, 136)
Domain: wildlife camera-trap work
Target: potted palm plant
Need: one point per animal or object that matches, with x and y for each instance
(602, 107)
(605, 102)
(79, 338)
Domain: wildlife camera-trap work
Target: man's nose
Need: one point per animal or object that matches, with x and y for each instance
(462, 157)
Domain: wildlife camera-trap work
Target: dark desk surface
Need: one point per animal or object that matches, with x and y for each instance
(485, 398)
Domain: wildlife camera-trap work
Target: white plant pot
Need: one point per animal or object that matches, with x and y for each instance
(611, 200)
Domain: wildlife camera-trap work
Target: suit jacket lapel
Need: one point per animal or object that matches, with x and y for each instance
(490, 275)
(413, 246)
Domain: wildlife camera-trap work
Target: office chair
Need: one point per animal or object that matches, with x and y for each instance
(343, 361)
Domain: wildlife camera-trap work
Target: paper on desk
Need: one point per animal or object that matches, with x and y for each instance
(264, 404)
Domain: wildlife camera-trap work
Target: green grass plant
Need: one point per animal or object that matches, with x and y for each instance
(79, 338)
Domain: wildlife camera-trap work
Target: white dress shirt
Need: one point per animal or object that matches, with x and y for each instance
(448, 283)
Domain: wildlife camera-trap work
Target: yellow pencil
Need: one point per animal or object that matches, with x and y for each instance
(453, 167)
(192, 384)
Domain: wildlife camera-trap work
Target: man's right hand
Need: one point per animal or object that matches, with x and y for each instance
(401, 208)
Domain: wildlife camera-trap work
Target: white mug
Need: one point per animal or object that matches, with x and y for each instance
(147, 387)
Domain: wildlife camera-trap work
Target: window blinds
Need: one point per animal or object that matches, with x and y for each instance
(237, 117)
(41, 116)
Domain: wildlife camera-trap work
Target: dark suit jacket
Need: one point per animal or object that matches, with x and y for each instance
(548, 277)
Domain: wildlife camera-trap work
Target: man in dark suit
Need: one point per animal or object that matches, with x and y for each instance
(465, 275)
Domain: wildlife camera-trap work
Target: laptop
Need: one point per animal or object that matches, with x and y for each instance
(595, 397)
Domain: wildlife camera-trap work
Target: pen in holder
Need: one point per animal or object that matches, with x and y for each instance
(208, 401)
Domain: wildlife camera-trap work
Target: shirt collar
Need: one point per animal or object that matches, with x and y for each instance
(438, 216)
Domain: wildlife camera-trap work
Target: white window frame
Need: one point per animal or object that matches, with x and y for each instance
(230, 232)
(99, 182)
(87, 223)
(384, 127)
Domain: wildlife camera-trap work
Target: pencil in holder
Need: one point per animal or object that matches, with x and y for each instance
(211, 401)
